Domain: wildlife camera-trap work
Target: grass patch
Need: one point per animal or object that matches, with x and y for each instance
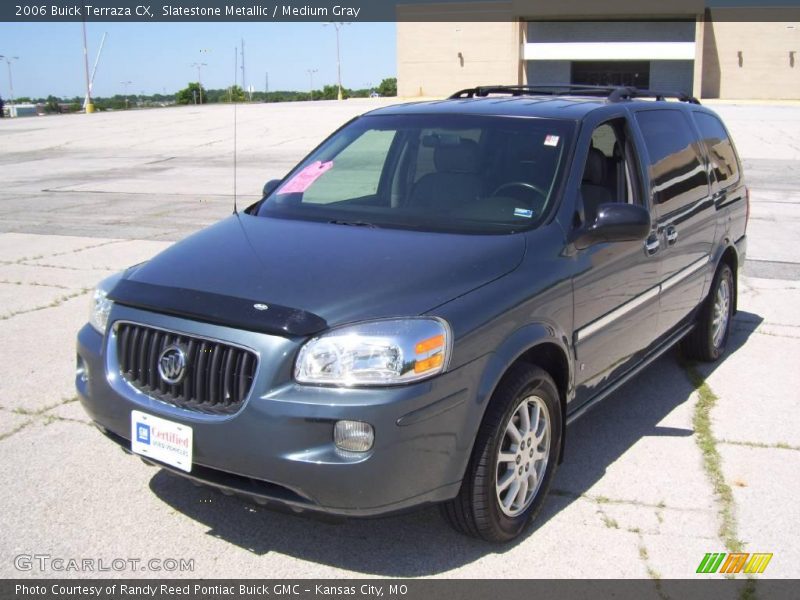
(712, 461)
(608, 521)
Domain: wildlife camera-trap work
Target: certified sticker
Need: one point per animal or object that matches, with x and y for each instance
(551, 140)
(523, 212)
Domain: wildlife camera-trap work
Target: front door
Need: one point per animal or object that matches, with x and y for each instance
(616, 288)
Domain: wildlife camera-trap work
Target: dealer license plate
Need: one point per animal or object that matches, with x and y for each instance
(162, 440)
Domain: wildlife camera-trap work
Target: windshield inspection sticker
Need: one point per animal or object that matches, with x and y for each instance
(551, 140)
(303, 180)
(523, 212)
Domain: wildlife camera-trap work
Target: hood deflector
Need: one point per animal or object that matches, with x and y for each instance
(218, 309)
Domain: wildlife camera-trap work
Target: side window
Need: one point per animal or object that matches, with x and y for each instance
(604, 138)
(721, 155)
(608, 173)
(677, 173)
(355, 172)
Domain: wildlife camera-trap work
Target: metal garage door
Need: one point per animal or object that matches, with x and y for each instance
(655, 54)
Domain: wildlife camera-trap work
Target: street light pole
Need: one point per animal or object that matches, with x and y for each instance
(125, 84)
(337, 27)
(199, 80)
(12, 112)
(311, 82)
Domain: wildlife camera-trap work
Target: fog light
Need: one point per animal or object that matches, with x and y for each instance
(82, 370)
(353, 436)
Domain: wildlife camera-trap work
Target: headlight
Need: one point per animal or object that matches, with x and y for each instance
(384, 352)
(101, 305)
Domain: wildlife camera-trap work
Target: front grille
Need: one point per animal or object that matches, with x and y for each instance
(217, 376)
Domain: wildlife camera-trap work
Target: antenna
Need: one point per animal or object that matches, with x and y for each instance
(233, 100)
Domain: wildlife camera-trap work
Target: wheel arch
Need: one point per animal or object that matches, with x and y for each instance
(538, 344)
(729, 255)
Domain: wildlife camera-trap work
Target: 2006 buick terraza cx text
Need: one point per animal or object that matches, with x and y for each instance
(416, 311)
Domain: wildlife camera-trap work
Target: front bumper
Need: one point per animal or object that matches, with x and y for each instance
(279, 447)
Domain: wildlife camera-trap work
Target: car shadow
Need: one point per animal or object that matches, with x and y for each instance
(421, 543)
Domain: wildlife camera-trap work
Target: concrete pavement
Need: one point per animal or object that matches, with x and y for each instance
(84, 196)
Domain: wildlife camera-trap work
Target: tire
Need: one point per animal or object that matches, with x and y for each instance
(477, 510)
(708, 339)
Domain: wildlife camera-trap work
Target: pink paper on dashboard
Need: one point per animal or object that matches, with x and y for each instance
(303, 180)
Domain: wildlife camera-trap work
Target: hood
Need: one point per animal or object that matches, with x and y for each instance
(316, 275)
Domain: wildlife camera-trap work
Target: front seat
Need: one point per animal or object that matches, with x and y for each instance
(593, 188)
(455, 180)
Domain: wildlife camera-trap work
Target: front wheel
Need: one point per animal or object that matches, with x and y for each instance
(708, 339)
(514, 458)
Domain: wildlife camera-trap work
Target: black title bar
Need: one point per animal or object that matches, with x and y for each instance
(392, 589)
(392, 10)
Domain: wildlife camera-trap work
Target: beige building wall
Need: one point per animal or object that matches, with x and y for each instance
(737, 56)
(750, 59)
(439, 58)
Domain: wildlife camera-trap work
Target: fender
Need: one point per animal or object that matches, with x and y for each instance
(515, 345)
(724, 245)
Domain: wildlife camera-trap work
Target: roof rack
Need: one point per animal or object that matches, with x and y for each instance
(613, 93)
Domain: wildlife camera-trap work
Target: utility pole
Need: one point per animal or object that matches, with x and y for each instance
(12, 111)
(266, 83)
(125, 85)
(89, 104)
(311, 82)
(199, 80)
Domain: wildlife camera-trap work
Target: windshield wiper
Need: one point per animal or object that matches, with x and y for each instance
(353, 223)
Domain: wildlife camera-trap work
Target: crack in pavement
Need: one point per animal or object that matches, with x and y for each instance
(41, 416)
(606, 500)
(712, 461)
(775, 446)
(57, 302)
(712, 464)
(35, 284)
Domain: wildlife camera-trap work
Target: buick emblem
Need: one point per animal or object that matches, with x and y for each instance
(172, 364)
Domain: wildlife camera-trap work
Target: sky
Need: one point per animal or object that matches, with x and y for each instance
(157, 57)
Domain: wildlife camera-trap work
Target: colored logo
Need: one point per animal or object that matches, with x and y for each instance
(143, 433)
(736, 562)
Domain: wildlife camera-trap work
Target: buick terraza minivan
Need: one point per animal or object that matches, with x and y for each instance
(415, 313)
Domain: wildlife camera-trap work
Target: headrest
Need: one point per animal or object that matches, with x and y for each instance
(595, 171)
(461, 157)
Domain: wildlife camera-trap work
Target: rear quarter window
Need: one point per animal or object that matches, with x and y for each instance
(721, 154)
(677, 172)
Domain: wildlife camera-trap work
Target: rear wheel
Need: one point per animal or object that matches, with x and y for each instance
(708, 339)
(514, 458)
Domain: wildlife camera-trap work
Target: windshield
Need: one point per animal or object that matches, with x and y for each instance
(455, 173)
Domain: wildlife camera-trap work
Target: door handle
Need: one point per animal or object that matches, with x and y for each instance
(651, 245)
(672, 235)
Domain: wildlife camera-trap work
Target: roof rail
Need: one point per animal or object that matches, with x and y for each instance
(612, 93)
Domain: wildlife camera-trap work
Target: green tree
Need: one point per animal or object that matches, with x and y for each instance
(192, 94)
(388, 87)
(235, 94)
(51, 105)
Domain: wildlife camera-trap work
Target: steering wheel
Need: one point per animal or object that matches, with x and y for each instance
(520, 184)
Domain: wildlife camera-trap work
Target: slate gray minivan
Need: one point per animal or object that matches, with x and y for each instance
(415, 313)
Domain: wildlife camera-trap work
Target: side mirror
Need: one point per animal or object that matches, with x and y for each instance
(615, 222)
(270, 186)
